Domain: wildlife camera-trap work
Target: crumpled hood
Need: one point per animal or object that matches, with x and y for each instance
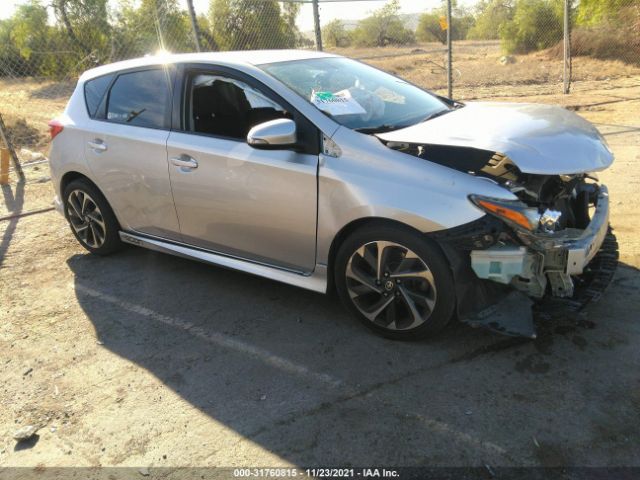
(539, 139)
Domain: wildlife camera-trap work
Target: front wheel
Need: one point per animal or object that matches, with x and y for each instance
(396, 281)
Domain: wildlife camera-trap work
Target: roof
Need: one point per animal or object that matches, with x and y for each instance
(243, 57)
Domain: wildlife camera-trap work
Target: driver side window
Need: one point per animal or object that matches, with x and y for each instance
(226, 107)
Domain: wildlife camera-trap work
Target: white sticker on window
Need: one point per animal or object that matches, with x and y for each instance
(339, 103)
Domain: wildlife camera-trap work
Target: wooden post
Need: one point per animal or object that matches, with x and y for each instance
(5, 138)
(4, 166)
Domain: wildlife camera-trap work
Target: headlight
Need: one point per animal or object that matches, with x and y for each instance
(514, 212)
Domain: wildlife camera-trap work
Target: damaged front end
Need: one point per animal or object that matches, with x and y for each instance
(551, 243)
(550, 249)
(547, 258)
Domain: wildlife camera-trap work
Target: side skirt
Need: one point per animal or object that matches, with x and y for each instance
(316, 280)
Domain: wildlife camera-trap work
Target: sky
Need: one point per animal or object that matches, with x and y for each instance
(348, 10)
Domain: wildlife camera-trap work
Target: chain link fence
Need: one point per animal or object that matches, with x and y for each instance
(499, 48)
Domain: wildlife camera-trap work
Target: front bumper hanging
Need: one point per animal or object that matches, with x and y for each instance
(578, 265)
(554, 257)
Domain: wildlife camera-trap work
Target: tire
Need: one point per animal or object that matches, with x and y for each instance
(413, 270)
(95, 225)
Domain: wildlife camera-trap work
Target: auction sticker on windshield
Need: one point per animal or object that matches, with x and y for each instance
(339, 103)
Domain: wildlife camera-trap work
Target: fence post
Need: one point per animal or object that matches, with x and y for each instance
(194, 24)
(316, 23)
(449, 54)
(4, 166)
(5, 138)
(566, 71)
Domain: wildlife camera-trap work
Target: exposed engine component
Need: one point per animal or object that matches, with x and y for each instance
(562, 203)
(549, 220)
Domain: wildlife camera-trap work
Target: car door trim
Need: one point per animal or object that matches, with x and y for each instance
(315, 280)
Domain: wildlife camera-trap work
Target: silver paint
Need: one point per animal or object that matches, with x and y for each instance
(281, 131)
(243, 201)
(539, 139)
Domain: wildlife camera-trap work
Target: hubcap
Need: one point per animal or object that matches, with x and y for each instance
(391, 285)
(86, 218)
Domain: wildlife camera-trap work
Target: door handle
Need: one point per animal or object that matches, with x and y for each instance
(97, 145)
(184, 161)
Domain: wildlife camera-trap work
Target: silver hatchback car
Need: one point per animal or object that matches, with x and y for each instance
(325, 173)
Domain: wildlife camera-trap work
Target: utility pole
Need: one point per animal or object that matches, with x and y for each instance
(194, 25)
(449, 54)
(316, 23)
(566, 72)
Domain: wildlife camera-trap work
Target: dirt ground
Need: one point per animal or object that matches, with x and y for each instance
(147, 360)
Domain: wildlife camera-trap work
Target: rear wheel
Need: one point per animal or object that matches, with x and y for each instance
(90, 217)
(396, 281)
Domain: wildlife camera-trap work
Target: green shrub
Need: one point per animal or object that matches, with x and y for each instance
(335, 35)
(490, 14)
(536, 25)
(429, 29)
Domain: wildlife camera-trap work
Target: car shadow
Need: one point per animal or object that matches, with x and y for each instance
(275, 363)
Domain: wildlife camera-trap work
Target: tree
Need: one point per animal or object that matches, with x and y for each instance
(383, 27)
(30, 28)
(335, 35)
(86, 27)
(290, 12)
(150, 25)
(592, 12)
(536, 25)
(12, 63)
(430, 30)
(208, 43)
(247, 24)
(29, 34)
(490, 15)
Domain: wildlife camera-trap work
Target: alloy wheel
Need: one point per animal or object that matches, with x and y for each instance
(391, 285)
(86, 218)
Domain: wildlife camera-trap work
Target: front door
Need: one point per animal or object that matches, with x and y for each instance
(234, 199)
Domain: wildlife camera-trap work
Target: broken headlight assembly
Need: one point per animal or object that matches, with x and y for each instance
(513, 212)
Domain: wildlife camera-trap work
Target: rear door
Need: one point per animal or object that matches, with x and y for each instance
(125, 147)
(255, 204)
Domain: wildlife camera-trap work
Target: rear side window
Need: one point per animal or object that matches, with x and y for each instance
(94, 91)
(140, 98)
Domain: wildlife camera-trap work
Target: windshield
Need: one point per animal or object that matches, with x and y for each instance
(356, 95)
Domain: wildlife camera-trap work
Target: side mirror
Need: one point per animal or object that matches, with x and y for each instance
(273, 134)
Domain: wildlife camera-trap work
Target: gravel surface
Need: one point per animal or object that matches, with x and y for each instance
(146, 360)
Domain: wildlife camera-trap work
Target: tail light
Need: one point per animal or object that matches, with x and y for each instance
(55, 127)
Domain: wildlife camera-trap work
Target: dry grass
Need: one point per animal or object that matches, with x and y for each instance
(614, 39)
(477, 64)
(27, 105)
(622, 45)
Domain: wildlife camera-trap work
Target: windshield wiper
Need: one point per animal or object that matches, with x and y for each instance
(439, 113)
(378, 129)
